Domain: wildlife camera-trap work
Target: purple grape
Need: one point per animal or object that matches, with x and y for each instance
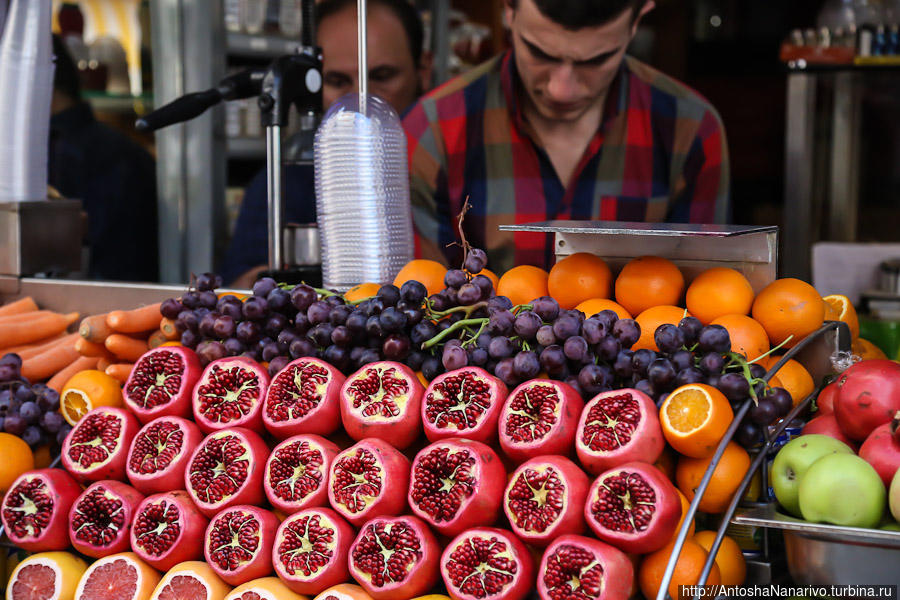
(748, 434)
(713, 380)
(279, 300)
(669, 338)
(285, 338)
(374, 328)
(392, 320)
(413, 316)
(318, 312)
(356, 321)
(734, 386)
(712, 362)
(30, 412)
(227, 299)
(277, 364)
(422, 332)
(432, 367)
(714, 338)
(255, 309)
(171, 308)
(191, 300)
(231, 310)
(623, 364)
(526, 365)
(32, 436)
(24, 393)
(47, 400)
(439, 302)
(187, 321)
(476, 261)
(690, 327)
(572, 381)
(593, 330)
(501, 322)
(553, 358)
(478, 357)
(455, 278)
(565, 326)
(396, 347)
(594, 379)
(641, 360)
(689, 375)
(208, 324)
(234, 346)
(608, 348)
(389, 294)
(782, 401)
(413, 292)
(270, 351)
(682, 359)
(500, 303)
(546, 308)
(303, 296)
(11, 358)
(52, 422)
(757, 371)
(63, 433)
(484, 283)
(210, 350)
(190, 339)
(321, 334)
(415, 360)
(469, 294)
(14, 424)
(301, 348)
(263, 286)
(334, 300)
(545, 336)
(607, 318)
(247, 331)
(454, 358)
(484, 340)
(627, 331)
(275, 324)
(505, 371)
(644, 385)
(337, 356)
(763, 412)
(527, 324)
(661, 374)
(454, 342)
(341, 336)
(208, 300)
(500, 348)
(223, 327)
(575, 348)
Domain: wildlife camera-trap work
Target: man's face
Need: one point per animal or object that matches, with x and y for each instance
(393, 75)
(565, 73)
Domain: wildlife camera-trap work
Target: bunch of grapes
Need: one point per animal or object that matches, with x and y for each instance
(28, 411)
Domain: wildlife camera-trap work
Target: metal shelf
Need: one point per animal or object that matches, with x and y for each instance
(259, 46)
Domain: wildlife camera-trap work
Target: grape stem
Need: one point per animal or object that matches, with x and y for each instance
(474, 338)
(778, 347)
(450, 330)
(467, 310)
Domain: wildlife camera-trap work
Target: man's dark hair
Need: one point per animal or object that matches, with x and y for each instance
(402, 9)
(65, 75)
(578, 14)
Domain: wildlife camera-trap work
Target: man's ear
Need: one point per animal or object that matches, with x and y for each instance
(425, 70)
(646, 8)
(509, 11)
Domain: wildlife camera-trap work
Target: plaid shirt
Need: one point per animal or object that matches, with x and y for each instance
(659, 155)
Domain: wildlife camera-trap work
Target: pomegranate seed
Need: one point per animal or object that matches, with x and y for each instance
(156, 379)
(157, 527)
(219, 469)
(479, 568)
(356, 479)
(459, 400)
(233, 539)
(532, 413)
(296, 471)
(442, 480)
(296, 391)
(157, 446)
(229, 394)
(94, 439)
(28, 508)
(308, 546)
(537, 499)
(379, 392)
(611, 422)
(573, 573)
(387, 552)
(625, 503)
(98, 517)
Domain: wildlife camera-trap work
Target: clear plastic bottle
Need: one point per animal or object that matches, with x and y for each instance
(254, 13)
(362, 193)
(290, 18)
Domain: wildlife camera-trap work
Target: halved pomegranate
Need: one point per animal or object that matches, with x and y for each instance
(168, 529)
(383, 400)
(463, 403)
(238, 543)
(577, 567)
(487, 563)
(100, 518)
(311, 550)
(35, 511)
(97, 447)
(545, 499)
(456, 484)
(394, 558)
(618, 427)
(227, 469)
(160, 453)
(633, 507)
(539, 418)
(367, 480)
(230, 393)
(304, 397)
(161, 383)
(297, 473)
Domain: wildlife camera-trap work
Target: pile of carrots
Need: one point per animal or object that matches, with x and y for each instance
(110, 342)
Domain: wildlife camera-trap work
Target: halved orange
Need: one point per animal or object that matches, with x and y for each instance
(122, 576)
(265, 588)
(694, 419)
(191, 580)
(839, 308)
(46, 576)
(361, 292)
(594, 305)
(87, 390)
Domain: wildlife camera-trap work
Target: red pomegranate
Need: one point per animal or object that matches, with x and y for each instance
(463, 403)
(304, 397)
(168, 529)
(634, 507)
(579, 567)
(238, 543)
(456, 484)
(539, 418)
(383, 400)
(882, 450)
(395, 557)
(297, 473)
(161, 383)
(97, 447)
(617, 427)
(828, 425)
(100, 518)
(485, 562)
(160, 453)
(545, 499)
(230, 393)
(311, 550)
(868, 396)
(35, 511)
(367, 480)
(825, 400)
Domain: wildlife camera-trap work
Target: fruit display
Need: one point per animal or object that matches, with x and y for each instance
(536, 435)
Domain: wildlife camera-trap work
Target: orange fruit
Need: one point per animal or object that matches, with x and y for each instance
(190, 580)
(594, 305)
(17, 458)
(687, 570)
(789, 308)
(42, 457)
(729, 558)
(579, 277)
(652, 318)
(685, 505)
(122, 576)
(173, 343)
(265, 588)
(648, 281)
(361, 292)
(719, 291)
(50, 575)
(422, 378)
(792, 376)
(867, 350)
(839, 308)
(523, 284)
(429, 273)
(694, 419)
(666, 463)
(344, 591)
(747, 336)
(87, 390)
(725, 480)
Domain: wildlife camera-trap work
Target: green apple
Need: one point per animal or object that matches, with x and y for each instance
(894, 495)
(794, 459)
(842, 489)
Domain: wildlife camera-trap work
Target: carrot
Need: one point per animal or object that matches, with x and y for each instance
(86, 348)
(140, 319)
(79, 364)
(25, 347)
(62, 341)
(48, 363)
(26, 316)
(104, 363)
(125, 347)
(94, 328)
(24, 331)
(17, 307)
(120, 371)
(167, 326)
(156, 339)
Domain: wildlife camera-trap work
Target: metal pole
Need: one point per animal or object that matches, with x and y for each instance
(274, 188)
(362, 15)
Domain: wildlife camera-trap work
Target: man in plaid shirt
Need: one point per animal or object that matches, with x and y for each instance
(562, 126)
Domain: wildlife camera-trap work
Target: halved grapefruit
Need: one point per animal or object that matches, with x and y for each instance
(191, 580)
(46, 576)
(122, 576)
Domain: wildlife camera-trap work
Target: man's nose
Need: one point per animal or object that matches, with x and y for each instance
(563, 84)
